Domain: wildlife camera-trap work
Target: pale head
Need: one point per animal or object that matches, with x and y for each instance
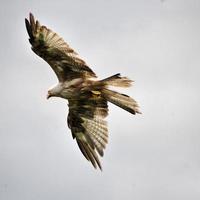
(54, 91)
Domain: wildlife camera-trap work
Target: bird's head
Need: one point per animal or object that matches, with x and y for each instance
(54, 91)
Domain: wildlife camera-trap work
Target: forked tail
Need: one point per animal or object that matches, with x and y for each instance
(121, 100)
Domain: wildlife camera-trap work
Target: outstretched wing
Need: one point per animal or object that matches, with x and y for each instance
(86, 121)
(53, 49)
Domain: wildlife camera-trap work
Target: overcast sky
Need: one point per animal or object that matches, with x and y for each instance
(152, 156)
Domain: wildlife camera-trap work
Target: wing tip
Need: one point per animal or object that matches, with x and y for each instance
(30, 25)
(31, 17)
(28, 28)
(30, 14)
(89, 154)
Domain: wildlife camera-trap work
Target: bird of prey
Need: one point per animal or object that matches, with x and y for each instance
(87, 97)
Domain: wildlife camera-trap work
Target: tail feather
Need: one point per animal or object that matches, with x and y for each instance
(117, 80)
(121, 100)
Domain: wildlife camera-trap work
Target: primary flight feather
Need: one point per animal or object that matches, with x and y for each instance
(87, 98)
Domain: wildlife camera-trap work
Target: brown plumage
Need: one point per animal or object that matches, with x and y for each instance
(87, 97)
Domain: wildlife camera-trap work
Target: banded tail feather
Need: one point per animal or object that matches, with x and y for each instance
(122, 100)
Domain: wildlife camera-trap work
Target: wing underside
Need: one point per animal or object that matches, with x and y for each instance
(56, 52)
(88, 126)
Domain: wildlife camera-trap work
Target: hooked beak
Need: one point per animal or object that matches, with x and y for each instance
(48, 95)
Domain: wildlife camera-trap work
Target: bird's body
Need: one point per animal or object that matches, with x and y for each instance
(87, 96)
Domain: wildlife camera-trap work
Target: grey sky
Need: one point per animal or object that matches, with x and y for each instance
(150, 156)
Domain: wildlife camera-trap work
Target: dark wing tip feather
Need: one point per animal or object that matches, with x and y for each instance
(31, 15)
(37, 24)
(89, 154)
(32, 19)
(82, 150)
(28, 28)
(31, 26)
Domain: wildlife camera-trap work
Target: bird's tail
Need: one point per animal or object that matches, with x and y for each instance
(117, 81)
(119, 99)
